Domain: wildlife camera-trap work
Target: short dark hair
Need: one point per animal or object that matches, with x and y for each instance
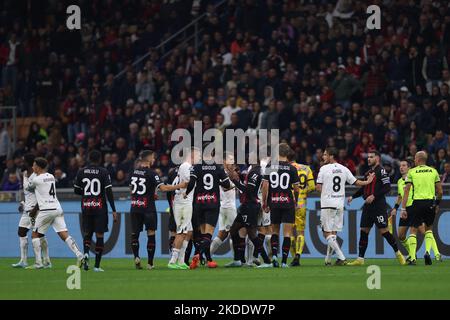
(29, 159)
(146, 153)
(409, 162)
(375, 152)
(41, 162)
(332, 151)
(95, 156)
(284, 150)
(291, 155)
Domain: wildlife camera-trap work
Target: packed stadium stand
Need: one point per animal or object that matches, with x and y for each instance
(308, 68)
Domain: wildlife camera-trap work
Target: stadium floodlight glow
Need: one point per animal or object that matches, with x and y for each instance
(211, 142)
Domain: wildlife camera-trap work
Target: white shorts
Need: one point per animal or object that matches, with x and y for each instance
(182, 214)
(264, 219)
(25, 221)
(226, 218)
(45, 219)
(332, 219)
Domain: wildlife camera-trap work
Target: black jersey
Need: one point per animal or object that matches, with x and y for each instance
(379, 187)
(143, 184)
(249, 188)
(172, 175)
(281, 178)
(207, 179)
(93, 182)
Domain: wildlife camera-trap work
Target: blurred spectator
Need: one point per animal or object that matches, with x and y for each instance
(12, 183)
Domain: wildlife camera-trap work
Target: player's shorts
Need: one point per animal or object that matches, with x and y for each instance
(300, 218)
(423, 212)
(282, 215)
(247, 214)
(140, 219)
(97, 222)
(264, 219)
(182, 214)
(226, 218)
(376, 214)
(332, 219)
(408, 221)
(207, 215)
(25, 221)
(47, 218)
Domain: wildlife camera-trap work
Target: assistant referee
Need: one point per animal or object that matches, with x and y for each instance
(427, 194)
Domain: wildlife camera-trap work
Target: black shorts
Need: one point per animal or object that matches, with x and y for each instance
(97, 223)
(423, 212)
(247, 215)
(172, 224)
(282, 215)
(140, 219)
(206, 215)
(409, 220)
(377, 215)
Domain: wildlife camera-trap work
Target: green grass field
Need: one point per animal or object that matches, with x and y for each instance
(310, 281)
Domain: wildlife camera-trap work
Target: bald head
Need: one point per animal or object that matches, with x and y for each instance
(421, 158)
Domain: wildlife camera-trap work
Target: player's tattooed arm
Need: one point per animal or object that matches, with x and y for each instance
(265, 193)
(362, 183)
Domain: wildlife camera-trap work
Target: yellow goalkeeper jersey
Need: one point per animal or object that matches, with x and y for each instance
(306, 178)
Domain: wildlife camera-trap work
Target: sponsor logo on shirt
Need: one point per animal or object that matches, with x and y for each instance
(139, 202)
(92, 203)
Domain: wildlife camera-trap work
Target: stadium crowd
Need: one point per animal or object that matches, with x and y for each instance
(308, 68)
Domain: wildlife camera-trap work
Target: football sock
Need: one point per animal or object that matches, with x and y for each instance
(182, 254)
(299, 245)
(412, 239)
(135, 244)
(332, 242)
(293, 246)
(215, 244)
(197, 242)
(434, 246)
(37, 250)
(151, 248)
(73, 246)
(259, 248)
(274, 241)
(44, 248)
(267, 242)
(329, 252)
(231, 246)
(405, 244)
(241, 250)
(285, 248)
(205, 245)
(99, 245)
(174, 257)
(86, 244)
(391, 240)
(23, 243)
(250, 249)
(171, 240)
(428, 240)
(363, 241)
(187, 252)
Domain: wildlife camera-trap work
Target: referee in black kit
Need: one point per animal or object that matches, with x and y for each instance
(375, 209)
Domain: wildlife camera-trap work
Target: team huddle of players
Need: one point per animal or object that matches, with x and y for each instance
(202, 194)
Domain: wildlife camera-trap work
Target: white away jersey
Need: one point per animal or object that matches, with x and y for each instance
(228, 198)
(44, 189)
(30, 197)
(333, 177)
(184, 174)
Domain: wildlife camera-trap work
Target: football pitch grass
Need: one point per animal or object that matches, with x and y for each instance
(310, 281)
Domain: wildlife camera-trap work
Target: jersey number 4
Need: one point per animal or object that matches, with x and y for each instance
(138, 185)
(52, 191)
